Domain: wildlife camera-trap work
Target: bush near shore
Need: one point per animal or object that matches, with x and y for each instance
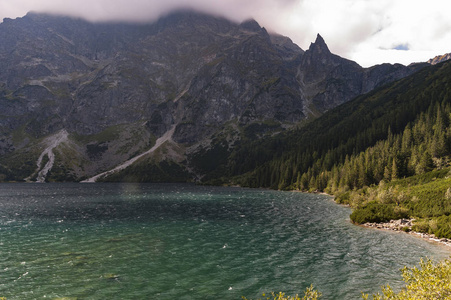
(425, 198)
(428, 281)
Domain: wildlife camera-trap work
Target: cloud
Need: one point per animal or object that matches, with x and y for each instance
(424, 26)
(142, 10)
(343, 23)
(361, 30)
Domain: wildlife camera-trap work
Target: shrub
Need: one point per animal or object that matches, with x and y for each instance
(440, 227)
(443, 227)
(309, 294)
(430, 281)
(405, 229)
(343, 198)
(374, 212)
(421, 226)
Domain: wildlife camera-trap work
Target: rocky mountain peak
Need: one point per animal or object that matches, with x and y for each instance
(319, 46)
(440, 58)
(116, 88)
(251, 25)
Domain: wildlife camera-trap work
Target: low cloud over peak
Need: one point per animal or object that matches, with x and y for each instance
(142, 10)
(365, 31)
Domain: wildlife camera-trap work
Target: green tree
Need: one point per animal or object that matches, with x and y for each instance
(426, 163)
(394, 170)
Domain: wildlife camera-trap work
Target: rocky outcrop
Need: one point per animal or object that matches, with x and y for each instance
(440, 58)
(396, 225)
(405, 225)
(328, 80)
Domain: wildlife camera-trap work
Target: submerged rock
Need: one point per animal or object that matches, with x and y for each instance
(110, 276)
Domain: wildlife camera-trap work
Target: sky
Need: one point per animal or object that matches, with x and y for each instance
(369, 32)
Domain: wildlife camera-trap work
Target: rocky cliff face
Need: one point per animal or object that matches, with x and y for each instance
(116, 88)
(439, 59)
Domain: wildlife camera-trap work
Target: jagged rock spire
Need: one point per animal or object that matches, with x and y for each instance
(319, 45)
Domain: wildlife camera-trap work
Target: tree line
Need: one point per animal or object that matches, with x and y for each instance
(394, 132)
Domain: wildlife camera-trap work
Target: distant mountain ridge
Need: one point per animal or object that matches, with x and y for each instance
(116, 88)
(439, 58)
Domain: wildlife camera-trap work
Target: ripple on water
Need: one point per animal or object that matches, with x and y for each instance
(182, 241)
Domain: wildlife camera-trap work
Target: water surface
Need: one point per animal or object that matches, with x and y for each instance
(166, 241)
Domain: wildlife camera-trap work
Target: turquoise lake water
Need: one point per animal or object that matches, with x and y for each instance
(166, 241)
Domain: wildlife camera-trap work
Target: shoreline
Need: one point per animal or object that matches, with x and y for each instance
(398, 225)
(405, 226)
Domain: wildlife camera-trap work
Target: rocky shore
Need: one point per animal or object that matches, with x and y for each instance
(405, 225)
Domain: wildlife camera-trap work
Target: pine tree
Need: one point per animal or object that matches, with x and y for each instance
(394, 170)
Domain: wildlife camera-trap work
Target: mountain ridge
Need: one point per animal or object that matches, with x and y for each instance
(116, 88)
(439, 59)
(321, 147)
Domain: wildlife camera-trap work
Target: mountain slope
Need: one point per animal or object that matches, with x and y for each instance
(335, 150)
(116, 88)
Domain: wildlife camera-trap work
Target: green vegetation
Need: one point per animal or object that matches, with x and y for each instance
(255, 130)
(60, 173)
(390, 133)
(430, 281)
(205, 159)
(309, 294)
(150, 171)
(387, 154)
(377, 212)
(110, 134)
(96, 150)
(19, 165)
(20, 135)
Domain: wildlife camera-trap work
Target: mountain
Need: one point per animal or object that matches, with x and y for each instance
(440, 58)
(397, 131)
(386, 154)
(78, 98)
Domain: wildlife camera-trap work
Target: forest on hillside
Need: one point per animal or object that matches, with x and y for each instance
(386, 153)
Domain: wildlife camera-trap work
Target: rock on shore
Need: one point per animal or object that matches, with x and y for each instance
(405, 225)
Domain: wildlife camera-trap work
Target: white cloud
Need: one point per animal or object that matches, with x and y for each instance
(361, 30)
(367, 31)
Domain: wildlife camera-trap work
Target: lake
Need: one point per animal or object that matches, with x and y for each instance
(181, 241)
